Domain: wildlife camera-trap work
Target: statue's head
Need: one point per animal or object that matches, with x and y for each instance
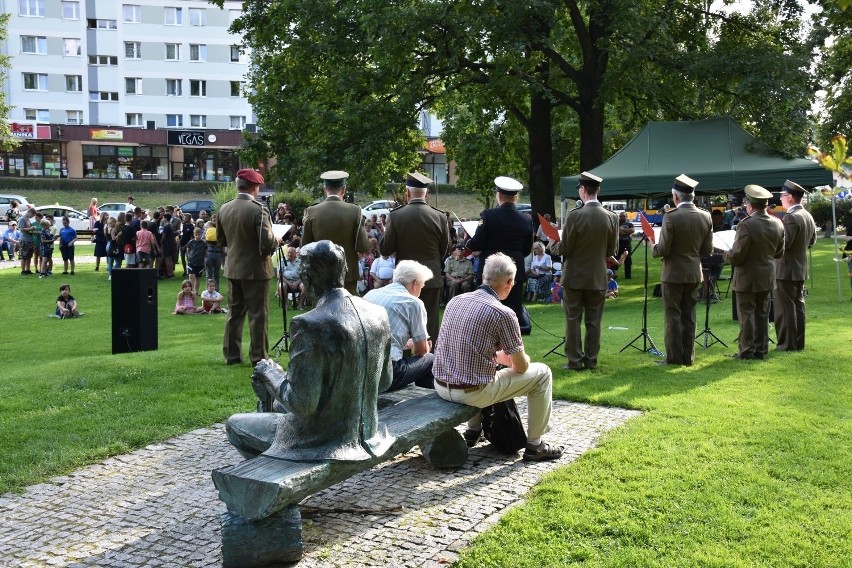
(323, 266)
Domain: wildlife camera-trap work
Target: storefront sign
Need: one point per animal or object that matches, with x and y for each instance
(102, 134)
(125, 152)
(22, 130)
(186, 138)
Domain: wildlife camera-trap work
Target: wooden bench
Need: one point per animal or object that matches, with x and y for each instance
(263, 525)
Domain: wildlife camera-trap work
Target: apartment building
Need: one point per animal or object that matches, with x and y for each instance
(143, 90)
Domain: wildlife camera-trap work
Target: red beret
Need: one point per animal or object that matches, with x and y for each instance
(250, 176)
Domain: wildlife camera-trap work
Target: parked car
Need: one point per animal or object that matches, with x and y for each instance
(115, 208)
(6, 203)
(378, 207)
(197, 206)
(524, 208)
(79, 220)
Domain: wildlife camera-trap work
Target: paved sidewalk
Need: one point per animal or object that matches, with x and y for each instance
(158, 507)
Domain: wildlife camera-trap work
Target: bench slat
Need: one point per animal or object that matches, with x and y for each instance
(259, 487)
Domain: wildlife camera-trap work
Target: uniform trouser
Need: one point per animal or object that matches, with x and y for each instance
(790, 314)
(247, 297)
(679, 301)
(456, 288)
(431, 298)
(628, 262)
(515, 299)
(536, 384)
(753, 313)
(580, 304)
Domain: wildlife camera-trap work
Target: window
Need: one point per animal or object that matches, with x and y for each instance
(31, 7)
(198, 121)
(131, 13)
(238, 122)
(133, 85)
(197, 88)
(174, 120)
(73, 47)
(103, 60)
(236, 54)
(35, 81)
(73, 117)
(173, 88)
(172, 51)
(133, 119)
(197, 17)
(236, 88)
(37, 114)
(133, 50)
(70, 10)
(197, 52)
(73, 83)
(174, 16)
(34, 44)
(92, 23)
(96, 96)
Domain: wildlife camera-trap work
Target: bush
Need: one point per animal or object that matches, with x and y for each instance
(222, 193)
(297, 200)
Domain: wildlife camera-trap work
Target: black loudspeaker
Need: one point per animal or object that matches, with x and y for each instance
(134, 310)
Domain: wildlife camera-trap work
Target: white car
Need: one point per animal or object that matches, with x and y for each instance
(378, 207)
(115, 208)
(6, 203)
(79, 220)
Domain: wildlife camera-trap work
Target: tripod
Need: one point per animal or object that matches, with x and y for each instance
(282, 344)
(707, 334)
(646, 338)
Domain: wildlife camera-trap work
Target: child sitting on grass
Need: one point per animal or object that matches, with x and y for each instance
(211, 299)
(185, 304)
(612, 285)
(66, 305)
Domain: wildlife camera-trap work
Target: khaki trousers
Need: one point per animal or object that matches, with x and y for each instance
(790, 314)
(577, 305)
(247, 297)
(536, 384)
(679, 302)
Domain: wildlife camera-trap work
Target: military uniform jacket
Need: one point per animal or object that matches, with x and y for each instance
(341, 223)
(799, 235)
(589, 237)
(759, 240)
(419, 232)
(686, 236)
(503, 229)
(245, 228)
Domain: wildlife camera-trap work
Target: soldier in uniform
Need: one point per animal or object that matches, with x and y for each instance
(759, 240)
(791, 270)
(589, 237)
(418, 231)
(458, 271)
(339, 222)
(687, 234)
(245, 228)
(505, 229)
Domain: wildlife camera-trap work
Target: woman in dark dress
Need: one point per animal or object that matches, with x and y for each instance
(100, 238)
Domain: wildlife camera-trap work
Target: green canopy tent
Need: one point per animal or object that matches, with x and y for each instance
(717, 152)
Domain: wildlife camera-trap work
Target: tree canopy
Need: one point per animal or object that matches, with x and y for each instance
(531, 89)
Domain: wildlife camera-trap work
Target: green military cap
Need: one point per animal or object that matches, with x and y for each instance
(793, 188)
(588, 179)
(417, 180)
(756, 193)
(685, 184)
(334, 178)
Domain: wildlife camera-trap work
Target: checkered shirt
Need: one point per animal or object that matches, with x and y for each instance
(406, 313)
(475, 326)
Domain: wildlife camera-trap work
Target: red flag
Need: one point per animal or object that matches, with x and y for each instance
(548, 229)
(646, 227)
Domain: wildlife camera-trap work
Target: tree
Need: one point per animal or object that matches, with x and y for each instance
(340, 83)
(832, 39)
(7, 141)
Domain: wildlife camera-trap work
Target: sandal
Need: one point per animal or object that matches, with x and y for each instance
(543, 452)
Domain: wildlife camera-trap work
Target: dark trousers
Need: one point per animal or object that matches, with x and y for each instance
(628, 262)
(580, 304)
(417, 370)
(753, 313)
(431, 298)
(679, 301)
(790, 314)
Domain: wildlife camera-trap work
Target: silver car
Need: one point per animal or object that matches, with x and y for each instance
(79, 221)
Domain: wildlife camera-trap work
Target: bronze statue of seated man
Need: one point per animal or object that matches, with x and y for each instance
(324, 405)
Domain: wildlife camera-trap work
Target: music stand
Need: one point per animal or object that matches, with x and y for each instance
(644, 335)
(282, 299)
(707, 333)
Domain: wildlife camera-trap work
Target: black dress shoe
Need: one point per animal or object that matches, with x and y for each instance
(738, 356)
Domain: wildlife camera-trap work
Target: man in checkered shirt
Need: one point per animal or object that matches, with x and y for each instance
(479, 333)
(407, 315)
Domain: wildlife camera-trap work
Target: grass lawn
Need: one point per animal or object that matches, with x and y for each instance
(735, 463)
